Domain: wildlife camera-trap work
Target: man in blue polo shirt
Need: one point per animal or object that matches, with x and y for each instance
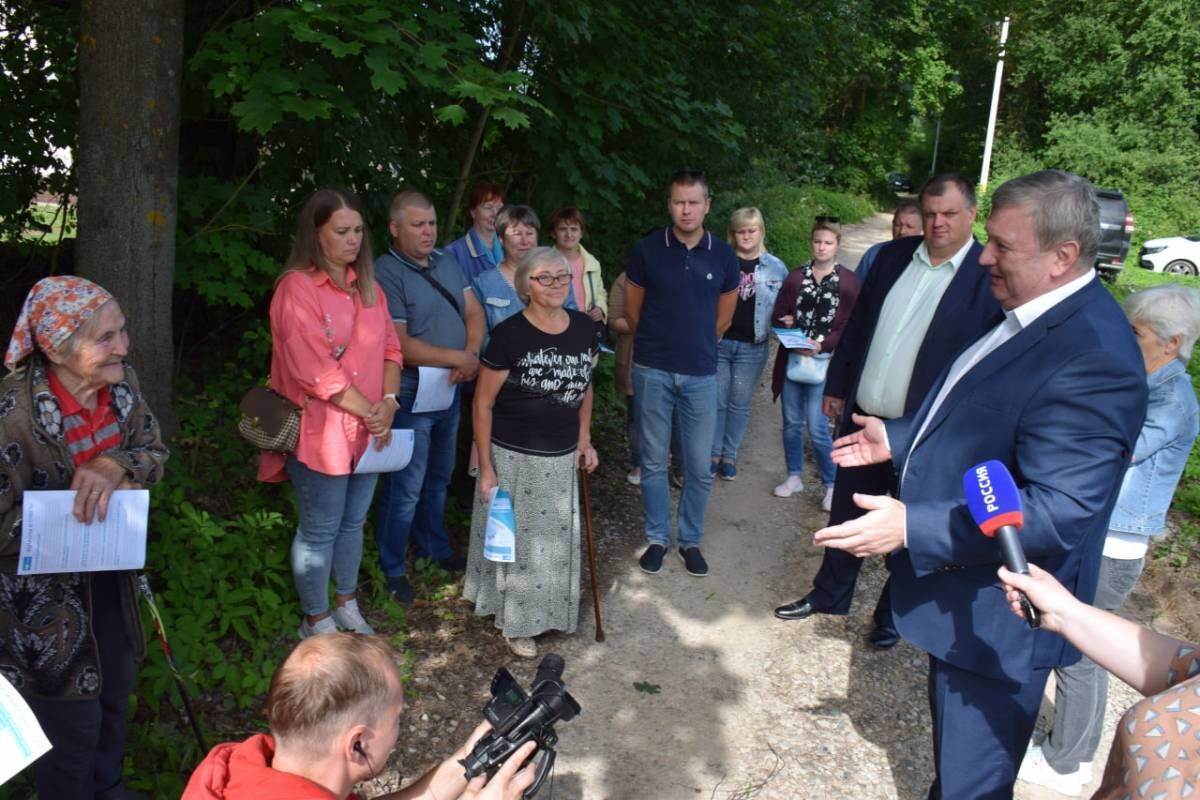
(440, 324)
(681, 290)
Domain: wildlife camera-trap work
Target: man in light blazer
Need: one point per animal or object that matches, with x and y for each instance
(1056, 391)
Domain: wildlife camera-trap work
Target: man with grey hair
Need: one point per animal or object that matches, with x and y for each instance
(440, 324)
(1056, 393)
(333, 710)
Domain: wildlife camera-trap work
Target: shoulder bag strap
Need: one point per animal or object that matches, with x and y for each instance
(424, 273)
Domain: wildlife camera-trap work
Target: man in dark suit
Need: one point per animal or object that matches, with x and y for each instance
(925, 298)
(1056, 391)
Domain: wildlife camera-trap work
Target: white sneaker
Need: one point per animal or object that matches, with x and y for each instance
(1035, 770)
(349, 618)
(827, 500)
(522, 646)
(324, 625)
(790, 486)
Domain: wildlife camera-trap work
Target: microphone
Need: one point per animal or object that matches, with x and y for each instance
(995, 506)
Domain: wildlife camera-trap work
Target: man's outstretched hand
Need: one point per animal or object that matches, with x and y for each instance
(866, 446)
(879, 531)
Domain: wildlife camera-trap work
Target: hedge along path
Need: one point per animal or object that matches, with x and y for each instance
(699, 692)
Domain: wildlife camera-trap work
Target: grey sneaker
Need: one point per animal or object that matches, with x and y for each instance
(323, 625)
(349, 618)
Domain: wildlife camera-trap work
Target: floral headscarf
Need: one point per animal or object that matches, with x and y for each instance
(55, 308)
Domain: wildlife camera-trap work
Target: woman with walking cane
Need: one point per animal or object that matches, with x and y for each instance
(533, 410)
(72, 416)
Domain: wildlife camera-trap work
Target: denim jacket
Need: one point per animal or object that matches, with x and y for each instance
(1160, 454)
(768, 277)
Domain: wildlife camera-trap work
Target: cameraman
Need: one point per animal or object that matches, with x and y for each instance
(334, 714)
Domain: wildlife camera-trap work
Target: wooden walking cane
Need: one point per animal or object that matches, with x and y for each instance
(587, 517)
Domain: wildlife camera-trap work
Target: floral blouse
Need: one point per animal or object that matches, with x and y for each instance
(817, 303)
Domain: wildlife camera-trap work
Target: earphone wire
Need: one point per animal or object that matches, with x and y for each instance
(374, 775)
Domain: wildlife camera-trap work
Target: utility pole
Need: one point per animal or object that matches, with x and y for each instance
(937, 138)
(991, 128)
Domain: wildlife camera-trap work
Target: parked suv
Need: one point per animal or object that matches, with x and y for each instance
(1116, 229)
(1178, 255)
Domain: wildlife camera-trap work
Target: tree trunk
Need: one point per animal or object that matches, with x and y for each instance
(513, 36)
(130, 69)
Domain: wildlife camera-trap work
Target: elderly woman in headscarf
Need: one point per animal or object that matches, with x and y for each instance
(72, 417)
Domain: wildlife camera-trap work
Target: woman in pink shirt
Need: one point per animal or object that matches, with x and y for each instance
(335, 354)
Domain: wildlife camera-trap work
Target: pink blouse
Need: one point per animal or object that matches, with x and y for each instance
(324, 340)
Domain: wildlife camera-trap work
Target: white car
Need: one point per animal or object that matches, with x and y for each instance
(1178, 255)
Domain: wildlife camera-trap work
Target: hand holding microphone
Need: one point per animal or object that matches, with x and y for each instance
(995, 506)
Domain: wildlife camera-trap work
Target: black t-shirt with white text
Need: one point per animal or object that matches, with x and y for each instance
(537, 409)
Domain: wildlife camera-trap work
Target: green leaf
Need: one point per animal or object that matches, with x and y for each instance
(648, 688)
(511, 117)
(383, 77)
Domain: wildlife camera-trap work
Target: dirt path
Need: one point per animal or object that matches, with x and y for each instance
(699, 692)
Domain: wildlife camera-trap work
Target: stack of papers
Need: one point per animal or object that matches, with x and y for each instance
(52, 540)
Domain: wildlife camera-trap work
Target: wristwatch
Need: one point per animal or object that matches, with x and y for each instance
(393, 397)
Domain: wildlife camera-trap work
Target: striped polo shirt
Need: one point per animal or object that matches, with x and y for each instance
(89, 433)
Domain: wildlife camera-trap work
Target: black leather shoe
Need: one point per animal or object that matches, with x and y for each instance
(883, 637)
(797, 610)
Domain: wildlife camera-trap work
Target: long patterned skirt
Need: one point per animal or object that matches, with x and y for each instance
(539, 591)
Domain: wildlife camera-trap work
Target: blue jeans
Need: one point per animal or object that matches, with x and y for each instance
(738, 366)
(332, 510)
(1081, 689)
(414, 499)
(802, 405)
(692, 400)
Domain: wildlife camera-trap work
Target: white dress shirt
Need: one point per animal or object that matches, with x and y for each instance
(903, 322)
(1015, 320)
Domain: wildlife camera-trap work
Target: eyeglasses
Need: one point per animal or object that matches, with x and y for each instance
(548, 280)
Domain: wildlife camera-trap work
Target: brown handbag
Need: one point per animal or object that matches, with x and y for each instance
(269, 420)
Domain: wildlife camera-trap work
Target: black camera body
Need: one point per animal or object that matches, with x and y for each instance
(517, 718)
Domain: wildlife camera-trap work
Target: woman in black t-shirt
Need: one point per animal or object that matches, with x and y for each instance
(532, 415)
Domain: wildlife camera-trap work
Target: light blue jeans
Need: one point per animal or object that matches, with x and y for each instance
(692, 399)
(801, 404)
(413, 500)
(329, 534)
(739, 364)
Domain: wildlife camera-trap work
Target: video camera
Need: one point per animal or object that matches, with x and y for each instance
(517, 718)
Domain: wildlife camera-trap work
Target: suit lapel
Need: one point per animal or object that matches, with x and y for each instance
(999, 358)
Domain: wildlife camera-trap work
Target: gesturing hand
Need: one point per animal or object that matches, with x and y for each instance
(879, 531)
(867, 446)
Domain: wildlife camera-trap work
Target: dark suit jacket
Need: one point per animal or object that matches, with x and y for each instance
(1061, 404)
(966, 310)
